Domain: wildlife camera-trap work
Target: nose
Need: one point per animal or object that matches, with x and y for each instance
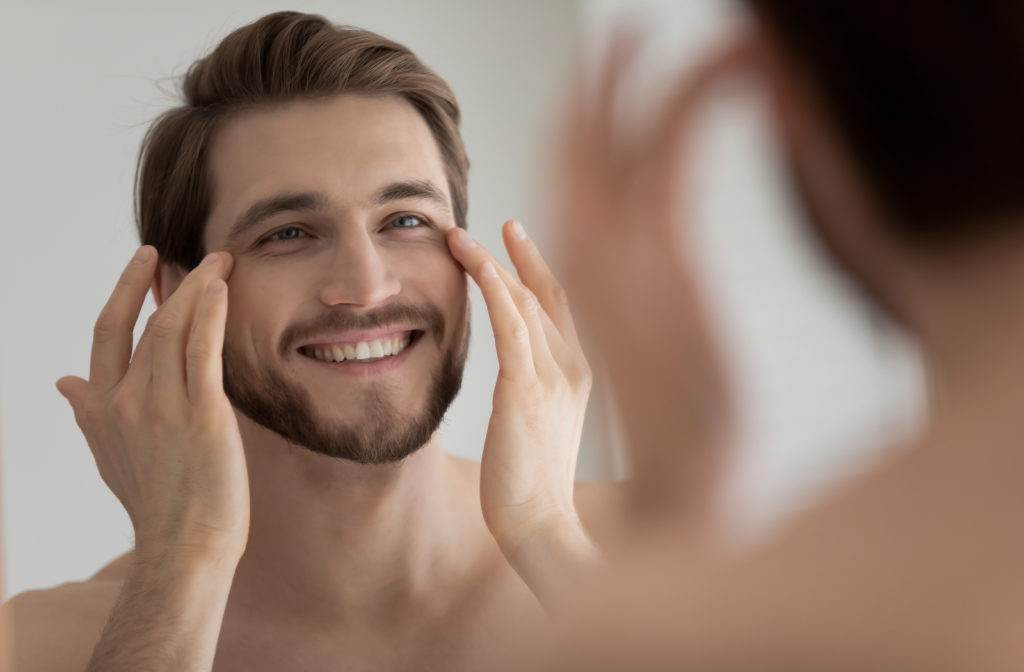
(358, 274)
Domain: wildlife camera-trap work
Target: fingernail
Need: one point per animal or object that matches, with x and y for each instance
(517, 230)
(487, 270)
(142, 254)
(465, 239)
(216, 287)
(209, 259)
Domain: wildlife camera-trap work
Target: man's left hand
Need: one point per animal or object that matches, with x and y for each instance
(529, 458)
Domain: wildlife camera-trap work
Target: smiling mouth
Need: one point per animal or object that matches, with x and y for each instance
(361, 351)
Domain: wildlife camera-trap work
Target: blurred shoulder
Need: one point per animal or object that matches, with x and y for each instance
(55, 629)
(601, 506)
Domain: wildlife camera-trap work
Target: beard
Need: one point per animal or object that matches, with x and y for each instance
(384, 434)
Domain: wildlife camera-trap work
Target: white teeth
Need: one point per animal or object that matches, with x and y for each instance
(376, 348)
(381, 347)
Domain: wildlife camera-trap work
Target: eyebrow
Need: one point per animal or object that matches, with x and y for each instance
(422, 189)
(315, 201)
(268, 207)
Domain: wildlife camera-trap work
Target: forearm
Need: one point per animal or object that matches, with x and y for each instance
(168, 615)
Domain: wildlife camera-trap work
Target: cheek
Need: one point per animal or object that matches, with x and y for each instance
(452, 283)
(256, 311)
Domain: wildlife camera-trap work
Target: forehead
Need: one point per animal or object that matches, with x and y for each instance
(345, 146)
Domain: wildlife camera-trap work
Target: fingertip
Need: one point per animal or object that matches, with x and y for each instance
(144, 255)
(461, 238)
(516, 230)
(216, 288)
(229, 262)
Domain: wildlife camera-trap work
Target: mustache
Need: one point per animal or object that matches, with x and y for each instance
(343, 319)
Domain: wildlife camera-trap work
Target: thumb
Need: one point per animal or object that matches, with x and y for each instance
(73, 389)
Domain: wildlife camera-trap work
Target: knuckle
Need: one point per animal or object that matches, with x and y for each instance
(106, 325)
(520, 332)
(198, 352)
(159, 413)
(527, 300)
(582, 376)
(122, 408)
(160, 325)
(558, 295)
(536, 389)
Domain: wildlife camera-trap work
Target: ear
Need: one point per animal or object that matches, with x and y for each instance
(166, 281)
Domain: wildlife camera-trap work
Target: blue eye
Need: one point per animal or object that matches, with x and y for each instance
(407, 222)
(287, 233)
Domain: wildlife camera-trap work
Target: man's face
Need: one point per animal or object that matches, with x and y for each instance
(335, 212)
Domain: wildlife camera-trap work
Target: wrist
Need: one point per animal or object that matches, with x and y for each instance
(199, 545)
(182, 558)
(551, 553)
(551, 533)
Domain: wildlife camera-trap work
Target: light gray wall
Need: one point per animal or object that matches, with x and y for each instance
(80, 83)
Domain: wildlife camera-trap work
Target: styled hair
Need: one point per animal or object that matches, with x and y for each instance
(281, 57)
(928, 97)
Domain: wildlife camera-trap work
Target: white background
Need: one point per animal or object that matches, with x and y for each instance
(819, 380)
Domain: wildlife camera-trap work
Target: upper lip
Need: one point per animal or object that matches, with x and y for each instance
(358, 336)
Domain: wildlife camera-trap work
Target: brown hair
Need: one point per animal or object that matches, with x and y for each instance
(281, 57)
(929, 97)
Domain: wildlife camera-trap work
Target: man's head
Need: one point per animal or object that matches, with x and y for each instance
(327, 160)
(922, 105)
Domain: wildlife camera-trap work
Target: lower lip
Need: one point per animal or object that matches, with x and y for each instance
(354, 367)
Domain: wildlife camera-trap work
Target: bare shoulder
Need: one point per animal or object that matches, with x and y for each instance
(601, 506)
(56, 628)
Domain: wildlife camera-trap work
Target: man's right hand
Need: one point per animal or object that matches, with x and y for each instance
(158, 422)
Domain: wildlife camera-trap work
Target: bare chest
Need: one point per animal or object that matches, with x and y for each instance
(471, 638)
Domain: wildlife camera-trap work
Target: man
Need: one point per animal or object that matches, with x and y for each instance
(902, 126)
(303, 213)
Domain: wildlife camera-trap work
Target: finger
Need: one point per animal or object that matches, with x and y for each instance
(74, 389)
(660, 159)
(511, 334)
(203, 357)
(112, 334)
(543, 334)
(169, 328)
(732, 57)
(537, 276)
(620, 53)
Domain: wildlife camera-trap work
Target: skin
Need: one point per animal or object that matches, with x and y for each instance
(914, 566)
(252, 554)
(6, 627)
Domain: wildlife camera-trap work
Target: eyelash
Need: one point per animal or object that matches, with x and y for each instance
(423, 221)
(273, 237)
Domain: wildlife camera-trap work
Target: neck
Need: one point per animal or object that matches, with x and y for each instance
(972, 334)
(329, 537)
